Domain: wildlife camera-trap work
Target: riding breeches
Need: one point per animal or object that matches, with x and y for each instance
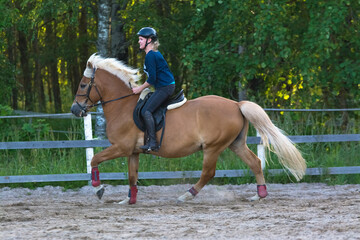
(156, 99)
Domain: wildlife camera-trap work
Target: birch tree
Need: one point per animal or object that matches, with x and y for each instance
(104, 10)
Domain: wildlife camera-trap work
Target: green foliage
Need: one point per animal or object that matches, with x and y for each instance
(302, 53)
(41, 161)
(298, 54)
(7, 78)
(6, 124)
(35, 130)
(5, 110)
(37, 35)
(7, 70)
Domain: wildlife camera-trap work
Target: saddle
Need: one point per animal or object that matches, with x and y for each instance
(175, 101)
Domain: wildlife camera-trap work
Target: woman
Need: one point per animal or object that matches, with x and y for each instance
(159, 76)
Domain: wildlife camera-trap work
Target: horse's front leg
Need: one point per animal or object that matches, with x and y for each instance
(107, 154)
(133, 166)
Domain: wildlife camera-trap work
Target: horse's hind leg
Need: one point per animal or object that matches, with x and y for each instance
(241, 149)
(254, 164)
(207, 173)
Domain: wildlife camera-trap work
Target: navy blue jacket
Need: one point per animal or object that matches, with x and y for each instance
(157, 70)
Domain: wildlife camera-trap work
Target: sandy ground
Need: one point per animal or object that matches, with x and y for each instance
(291, 211)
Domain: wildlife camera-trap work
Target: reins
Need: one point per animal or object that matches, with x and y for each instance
(87, 95)
(113, 100)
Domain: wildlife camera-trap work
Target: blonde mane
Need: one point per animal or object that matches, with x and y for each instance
(127, 74)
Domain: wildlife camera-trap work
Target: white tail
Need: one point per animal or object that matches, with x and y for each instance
(281, 145)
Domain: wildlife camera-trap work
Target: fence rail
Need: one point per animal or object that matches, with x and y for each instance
(106, 143)
(89, 144)
(167, 175)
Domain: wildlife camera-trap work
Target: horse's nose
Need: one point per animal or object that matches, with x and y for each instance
(75, 109)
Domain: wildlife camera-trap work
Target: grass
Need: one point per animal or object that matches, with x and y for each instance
(72, 160)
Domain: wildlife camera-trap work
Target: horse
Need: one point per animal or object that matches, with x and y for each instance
(209, 123)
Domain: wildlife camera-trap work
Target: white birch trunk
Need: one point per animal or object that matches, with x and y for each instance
(103, 49)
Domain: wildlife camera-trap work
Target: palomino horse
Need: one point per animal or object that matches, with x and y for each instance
(209, 123)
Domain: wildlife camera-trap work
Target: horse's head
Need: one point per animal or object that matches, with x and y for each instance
(89, 90)
(87, 94)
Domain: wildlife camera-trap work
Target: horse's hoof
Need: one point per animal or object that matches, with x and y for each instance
(100, 191)
(255, 198)
(125, 201)
(185, 197)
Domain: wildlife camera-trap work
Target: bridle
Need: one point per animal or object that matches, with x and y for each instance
(92, 83)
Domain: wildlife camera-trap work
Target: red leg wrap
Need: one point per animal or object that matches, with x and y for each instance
(193, 191)
(95, 178)
(261, 190)
(133, 194)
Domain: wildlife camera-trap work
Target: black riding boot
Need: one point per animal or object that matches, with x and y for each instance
(152, 145)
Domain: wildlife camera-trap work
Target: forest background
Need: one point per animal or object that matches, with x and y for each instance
(284, 54)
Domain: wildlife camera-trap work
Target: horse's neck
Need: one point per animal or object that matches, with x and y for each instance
(120, 110)
(113, 88)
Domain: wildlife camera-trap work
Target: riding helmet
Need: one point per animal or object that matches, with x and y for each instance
(148, 32)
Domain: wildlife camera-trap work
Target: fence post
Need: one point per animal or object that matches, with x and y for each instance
(88, 136)
(261, 152)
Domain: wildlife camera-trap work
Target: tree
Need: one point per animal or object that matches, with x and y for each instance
(52, 60)
(102, 45)
(24, 58)
(7, 42)
(293, 53)
(119, 46)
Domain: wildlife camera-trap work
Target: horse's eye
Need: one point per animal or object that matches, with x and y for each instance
(83, 85)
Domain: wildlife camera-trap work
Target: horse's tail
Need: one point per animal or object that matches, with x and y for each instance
(287, 153)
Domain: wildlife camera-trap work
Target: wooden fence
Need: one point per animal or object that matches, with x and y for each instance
(89, 144)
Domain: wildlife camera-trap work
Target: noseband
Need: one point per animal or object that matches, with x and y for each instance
(92, 83)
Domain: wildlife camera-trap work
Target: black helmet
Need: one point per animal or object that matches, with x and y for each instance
(148, 32)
